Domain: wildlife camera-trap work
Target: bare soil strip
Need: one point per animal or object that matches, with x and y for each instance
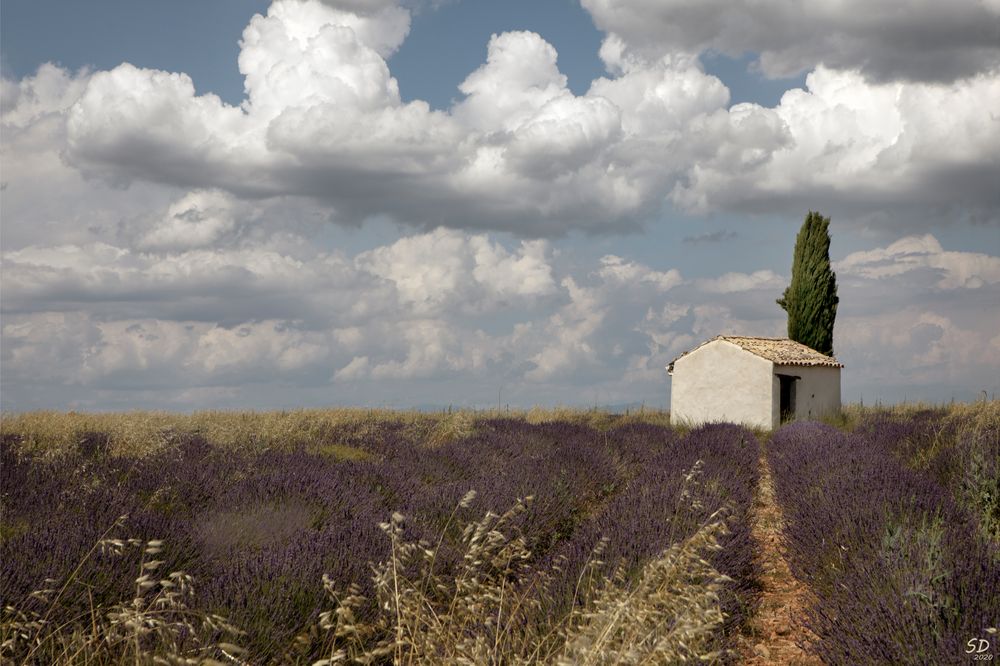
(776, 630)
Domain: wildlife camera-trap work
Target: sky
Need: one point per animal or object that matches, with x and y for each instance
(424, 203)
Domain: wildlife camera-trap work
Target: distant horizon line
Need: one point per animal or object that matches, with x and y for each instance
(612, 409)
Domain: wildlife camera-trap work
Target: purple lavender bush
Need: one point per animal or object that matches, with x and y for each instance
(658, 508)
(958, 454)
(898, 569)
(259, 529)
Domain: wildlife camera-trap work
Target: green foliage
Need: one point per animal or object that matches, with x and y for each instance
(811, 298)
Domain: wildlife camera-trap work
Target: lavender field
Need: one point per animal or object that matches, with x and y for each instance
(259, 528)
(893, 528)
(318, 537)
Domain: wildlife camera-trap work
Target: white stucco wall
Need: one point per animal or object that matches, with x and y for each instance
(817, 392)
(722, 382)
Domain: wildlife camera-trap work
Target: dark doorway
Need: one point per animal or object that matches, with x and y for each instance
(787, 383)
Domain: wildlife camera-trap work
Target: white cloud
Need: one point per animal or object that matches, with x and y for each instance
(306, 53)
(200, 218)
(567, 134)
(525, 272)
(43, 198)
(953, 270)
(617, 270)
(165, 243)
(323, 118)
(208, 285)
(852, 144)
(261, 346)
(356, 369)
(423, 274)
(661, 327)
(913, 39)
(569, 333)
(908, 346)
(153, 122)
(736, 282)
(661, 97)
(52, 90)
(103, 318)
(431, 347)
(323, 122)
(519, 77)
(444, 267)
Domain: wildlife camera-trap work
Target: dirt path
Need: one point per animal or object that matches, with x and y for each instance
(776, 629)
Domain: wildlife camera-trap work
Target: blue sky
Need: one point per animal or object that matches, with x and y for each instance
(201, 38)
(414, 204)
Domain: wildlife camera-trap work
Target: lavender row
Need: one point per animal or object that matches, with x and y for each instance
(259, 530)
(960, 452)
(678, 487)
(897, 568)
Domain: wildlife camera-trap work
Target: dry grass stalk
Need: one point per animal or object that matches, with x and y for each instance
(155, 626)
(490, 610)
(143, 432)
(670, 615)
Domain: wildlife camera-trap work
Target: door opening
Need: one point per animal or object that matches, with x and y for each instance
(787, 386)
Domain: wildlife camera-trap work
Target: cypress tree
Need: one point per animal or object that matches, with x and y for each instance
(811, 298)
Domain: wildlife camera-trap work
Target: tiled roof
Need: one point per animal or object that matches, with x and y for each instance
(780, 351)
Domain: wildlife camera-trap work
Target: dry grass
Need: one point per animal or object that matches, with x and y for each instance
(598, 419)
(450, 428)
(155, 626)
(978, 415)
(491, 610)
(670, 615)
(132, 433)
(142, 432)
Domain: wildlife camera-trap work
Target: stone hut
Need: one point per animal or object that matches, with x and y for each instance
(758, 382)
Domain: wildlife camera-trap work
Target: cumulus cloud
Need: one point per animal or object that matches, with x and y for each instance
(915, 349)
(165, 244)
(227, 285)
(430, 271)
(106, 319)
(323, 118)
(356, 369)
(44, 198)
(50, 91)
(200, 218)
(422, 274)
(844, 142)
(734, 282)
(153, 122)
(951, 270)
(156, 353)
(659, 97)
(915, 40)
(617, 270)
(569, 335)
(323, 121)
(519, 77)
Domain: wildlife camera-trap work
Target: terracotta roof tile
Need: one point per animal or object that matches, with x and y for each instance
(780, 351)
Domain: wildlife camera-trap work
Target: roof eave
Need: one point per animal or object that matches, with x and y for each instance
(835, 364)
